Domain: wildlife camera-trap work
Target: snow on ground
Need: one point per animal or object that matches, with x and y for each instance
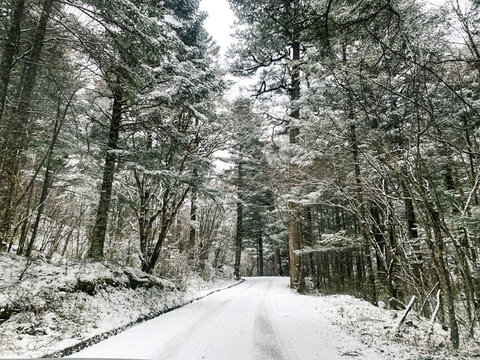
(263, 319)
(46, 308)
(373, 326)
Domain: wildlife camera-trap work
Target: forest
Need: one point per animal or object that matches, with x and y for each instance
(351, 163)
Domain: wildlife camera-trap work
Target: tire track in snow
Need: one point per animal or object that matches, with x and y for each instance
(204, 326)
(266, 340)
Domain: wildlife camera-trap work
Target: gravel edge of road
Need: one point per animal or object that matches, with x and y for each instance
(105, 335)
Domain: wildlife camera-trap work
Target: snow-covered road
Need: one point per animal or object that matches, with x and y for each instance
(258, 319)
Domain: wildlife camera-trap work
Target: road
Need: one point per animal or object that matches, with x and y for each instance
(258, 319)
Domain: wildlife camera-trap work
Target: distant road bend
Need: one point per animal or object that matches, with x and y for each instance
(258, 319)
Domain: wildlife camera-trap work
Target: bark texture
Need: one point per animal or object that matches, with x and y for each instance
(101, 221)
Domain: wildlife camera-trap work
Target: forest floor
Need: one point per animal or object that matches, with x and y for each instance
(48, 310)
(263, 319)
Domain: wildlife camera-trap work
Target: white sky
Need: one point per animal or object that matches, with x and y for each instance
(219, 21)
(443, 2)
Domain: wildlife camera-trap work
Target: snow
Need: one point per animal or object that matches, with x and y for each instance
(263, 319)
(53, 308)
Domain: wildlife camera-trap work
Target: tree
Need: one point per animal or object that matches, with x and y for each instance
(272, 39)
(126, 72)
(15, 129)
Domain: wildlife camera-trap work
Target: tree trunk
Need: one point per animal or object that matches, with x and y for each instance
(446, 285)
(55, 242)
(370, 278)
(16, 132)
(294, 215)
(431, 223)
(25, 225)
(409, 213)
(156, 251)
(142, 227)
(238, 239)
(260, 254)
(41, 206)
(468, 278)
(193, 218)
(277, 260)
(9, 51)
(471, 158)
(47, 181)
(167, 220)
(101, 221)
(311, 240)
(218, 251)
(66, 243)
(239, 225)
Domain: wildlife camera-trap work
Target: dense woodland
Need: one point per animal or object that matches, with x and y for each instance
(353, 164)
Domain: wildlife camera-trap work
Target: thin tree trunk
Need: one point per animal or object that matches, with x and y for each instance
(471, 158)
(41, 206)
(66, 243)
(55, 242)
(167, 221)
(370, 278)
(277, 260)
(294, 215)
(47, 181)
(446, 285)
(239, 226)
(436, 246)
(193, 219)
(25, 225)
(311, 240)
(156, 251)
(218, 251)
(260, 254)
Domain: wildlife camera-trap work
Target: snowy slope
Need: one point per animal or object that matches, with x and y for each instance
(46, 308)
